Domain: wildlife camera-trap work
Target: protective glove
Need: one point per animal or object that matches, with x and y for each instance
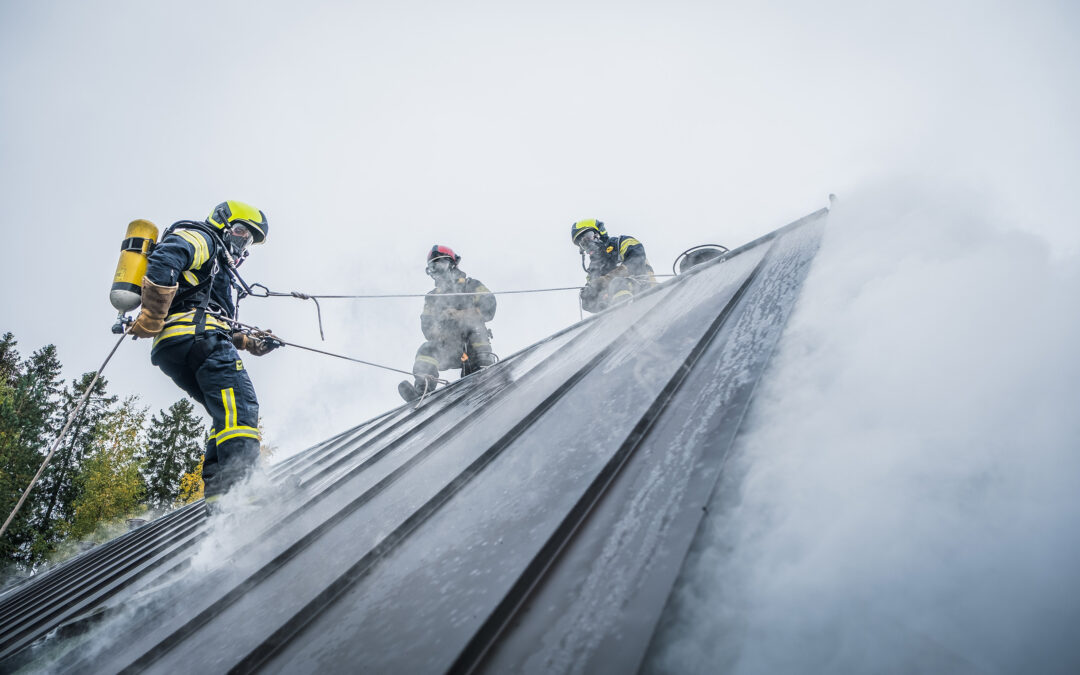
(256, 345)
(460, 315)
(619, 271)
(155, 306)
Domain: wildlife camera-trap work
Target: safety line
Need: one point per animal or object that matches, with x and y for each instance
(260, 331)
(267, 293)
(56, 444)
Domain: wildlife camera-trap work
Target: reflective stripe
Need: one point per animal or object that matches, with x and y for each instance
(228, 401)
(623, 293)
(428, 359)
(198, 242)
(189, 317)
(173, 332)
(190, 278)
(234, 432)
(630, 241)
(238, 432)
(183, 323)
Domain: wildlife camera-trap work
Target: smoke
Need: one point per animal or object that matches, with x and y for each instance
(904, 495)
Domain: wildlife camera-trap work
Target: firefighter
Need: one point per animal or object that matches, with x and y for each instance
(454, 325)
(617, 270)
(187, 294)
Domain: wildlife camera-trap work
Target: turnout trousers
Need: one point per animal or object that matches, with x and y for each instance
(436, 355)
(208, 367)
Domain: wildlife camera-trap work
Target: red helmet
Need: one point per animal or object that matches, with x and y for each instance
(443, 252)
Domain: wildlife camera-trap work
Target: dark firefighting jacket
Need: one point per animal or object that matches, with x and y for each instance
(618, 268)
(189, 256)
(437, 324)
(620, 250)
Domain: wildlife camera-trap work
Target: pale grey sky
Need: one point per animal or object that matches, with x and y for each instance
(369, 131)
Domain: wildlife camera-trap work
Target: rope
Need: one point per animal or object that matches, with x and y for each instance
(56, 443)
(267, 293)
(260, 331)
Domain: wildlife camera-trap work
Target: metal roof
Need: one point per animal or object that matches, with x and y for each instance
(529, 518)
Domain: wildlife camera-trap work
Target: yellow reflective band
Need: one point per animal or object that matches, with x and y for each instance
(238, 434)
(428, 359)
(190, 278)
(198, 242)
(585, 224)
(183, 324)
(481, 288)
(173, 332)
(189, 318)
(228, 401)
(627, 244)
(623, 293)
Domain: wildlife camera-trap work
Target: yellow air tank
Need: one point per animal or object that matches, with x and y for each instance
(126, 293)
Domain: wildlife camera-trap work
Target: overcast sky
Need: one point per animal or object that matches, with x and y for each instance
(369, 131)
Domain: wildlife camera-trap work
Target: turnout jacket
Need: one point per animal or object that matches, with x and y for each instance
(189, 256)
(437, 324)
(620, 250)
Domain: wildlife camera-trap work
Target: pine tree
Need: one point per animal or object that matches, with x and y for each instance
(59, 486)
(174, 448)
(110, 482)
(28, 411)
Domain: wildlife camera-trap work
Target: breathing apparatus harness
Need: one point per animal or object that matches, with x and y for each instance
(222, 258)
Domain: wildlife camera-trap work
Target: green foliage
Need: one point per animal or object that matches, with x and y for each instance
(111, 486)
(175, 446)
(111, 464)
(28, 400)
(59, 489)
(191, 485)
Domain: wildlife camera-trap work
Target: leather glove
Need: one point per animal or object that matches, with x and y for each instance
(256, 345)
(155, 306)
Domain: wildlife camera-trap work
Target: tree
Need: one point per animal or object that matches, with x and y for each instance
(59, 486)
(191, 485)
(174, 449)
(110, 482)
(28, 410)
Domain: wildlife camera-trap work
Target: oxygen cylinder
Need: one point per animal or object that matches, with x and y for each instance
(126, 293)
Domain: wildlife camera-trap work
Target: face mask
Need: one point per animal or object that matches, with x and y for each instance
(589, 242)
(239, 238)
(438, 267)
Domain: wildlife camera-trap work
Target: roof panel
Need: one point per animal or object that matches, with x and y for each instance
(525, 518)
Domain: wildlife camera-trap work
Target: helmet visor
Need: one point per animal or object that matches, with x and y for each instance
(239, 238)
(589, 241)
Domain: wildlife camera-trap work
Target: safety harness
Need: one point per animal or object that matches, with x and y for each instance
(198, 297)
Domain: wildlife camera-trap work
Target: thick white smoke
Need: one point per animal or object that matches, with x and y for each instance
(906, 494)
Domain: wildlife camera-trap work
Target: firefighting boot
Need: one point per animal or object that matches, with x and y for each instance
(412, 391)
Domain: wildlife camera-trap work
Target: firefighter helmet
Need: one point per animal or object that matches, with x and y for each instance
(437, 252)
(582, 226)
(232, 211)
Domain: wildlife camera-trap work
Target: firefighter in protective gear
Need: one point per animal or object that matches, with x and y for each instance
(618, 268)
(453, 325)
(186, 294)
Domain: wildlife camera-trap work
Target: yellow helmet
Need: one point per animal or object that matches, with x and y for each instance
(232, 211)
(582, 226)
